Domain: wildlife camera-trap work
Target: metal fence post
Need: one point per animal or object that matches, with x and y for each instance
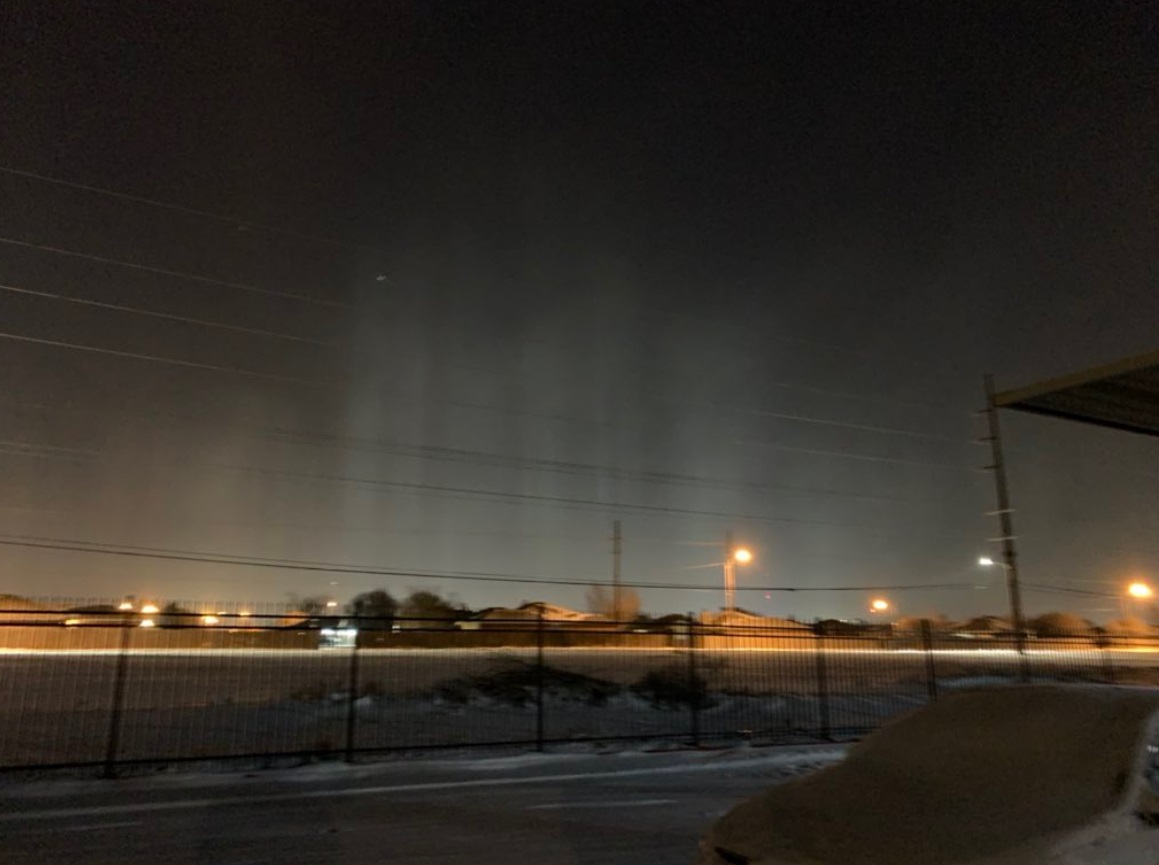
(928, 648)
(118, 701)
(539, 682)
(693, 681)
(352, 702)
(825, 732)
(1104, 647)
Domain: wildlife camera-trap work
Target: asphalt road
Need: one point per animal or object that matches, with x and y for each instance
(548, 810)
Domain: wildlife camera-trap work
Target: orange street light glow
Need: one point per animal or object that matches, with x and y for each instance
(743, 556)
(1139, 590)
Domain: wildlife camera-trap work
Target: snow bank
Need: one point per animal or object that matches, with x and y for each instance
(999, 776)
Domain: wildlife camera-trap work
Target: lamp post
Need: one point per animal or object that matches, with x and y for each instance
(733, 556)
(1015, 600)
(1137, 591)
(881, 606)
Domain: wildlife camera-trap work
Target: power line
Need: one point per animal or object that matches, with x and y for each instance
(261, 332)
(152, 358)
(232, 370)
(594, 537)
(509, 498)
(1059, 590)
(191, 211)
(242, 223)
(491, 459)
(667, 313)
(833, 423)
(849, 456)
(136, 310)
(178, 274)
(469, 494)
(659, 312)
(471, 576)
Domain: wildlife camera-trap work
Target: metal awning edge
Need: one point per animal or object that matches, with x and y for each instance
(1008, 398)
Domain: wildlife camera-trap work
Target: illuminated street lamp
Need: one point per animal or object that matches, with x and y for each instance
(150, 608)
(883, 607)
(733, 555)
(1139, 590)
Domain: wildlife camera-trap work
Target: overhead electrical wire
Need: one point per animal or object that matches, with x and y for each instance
(490, 459)
(171, 361)
(337, 304)
(1061, 590)
(851, 456)
(184, 319)
(474, 494)
(178, 274)
(336, 385)
(474, 368)
(190, 211)
(243, 223)
(65, 545)
(470, 494)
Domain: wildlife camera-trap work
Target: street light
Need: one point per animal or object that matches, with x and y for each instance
(1007, 565)
(1139, 590)
(733, 556)
(879, 605)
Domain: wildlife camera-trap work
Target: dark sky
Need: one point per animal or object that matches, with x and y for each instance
(697, 266)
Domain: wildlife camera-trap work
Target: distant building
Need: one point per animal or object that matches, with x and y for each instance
(528, 615)
(738, 618)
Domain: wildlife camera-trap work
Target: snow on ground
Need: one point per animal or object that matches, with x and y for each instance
(57, 708)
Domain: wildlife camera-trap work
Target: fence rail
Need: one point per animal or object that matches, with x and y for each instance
(106, 688)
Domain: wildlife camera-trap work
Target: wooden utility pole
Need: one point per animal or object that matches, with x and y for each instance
(617, 595)
(1005, 517)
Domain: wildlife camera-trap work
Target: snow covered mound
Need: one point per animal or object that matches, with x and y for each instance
(1010, 776)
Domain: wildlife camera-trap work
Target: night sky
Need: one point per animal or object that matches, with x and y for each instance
(542, 265)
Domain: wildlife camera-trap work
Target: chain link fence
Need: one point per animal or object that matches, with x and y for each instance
(99, 686)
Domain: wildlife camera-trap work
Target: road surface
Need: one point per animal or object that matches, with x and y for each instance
(548, 810)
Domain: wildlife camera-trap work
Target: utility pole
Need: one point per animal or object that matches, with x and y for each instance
(729, 573)
(617, 596)
(1004, 514)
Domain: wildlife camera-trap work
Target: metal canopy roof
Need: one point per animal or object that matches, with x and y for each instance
(1122, 395)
